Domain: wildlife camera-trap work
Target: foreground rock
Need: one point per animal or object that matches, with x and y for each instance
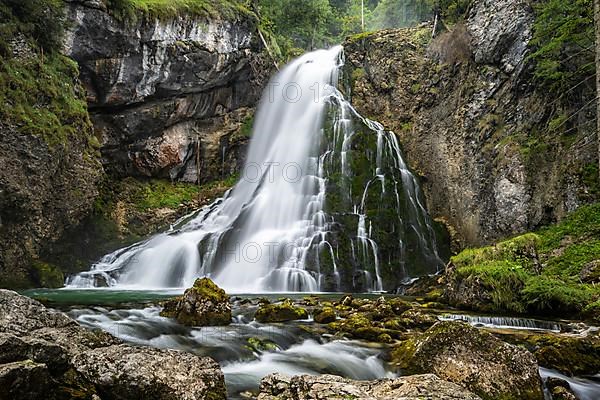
(474, 359)
(150, 374)
(45, 354)
(204, 304)
(415, 387)
(280, 312)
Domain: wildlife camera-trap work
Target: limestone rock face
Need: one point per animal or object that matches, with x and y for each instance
(166, 93)
(474, 359)
(45, 354)
(472, 123)
(415, 387)
(500, 32)
(204, 304)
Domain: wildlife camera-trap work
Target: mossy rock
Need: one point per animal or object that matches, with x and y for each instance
(474, 359)
(567, 354)
(260, 345)
(47, 275)
(325, 315)
(204, 304)
(280, 312)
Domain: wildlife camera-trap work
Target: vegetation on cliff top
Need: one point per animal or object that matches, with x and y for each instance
(552, 271)
(131, 9)
(39, 89)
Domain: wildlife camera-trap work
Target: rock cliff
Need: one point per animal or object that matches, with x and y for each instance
(474, 123)
(167, 96)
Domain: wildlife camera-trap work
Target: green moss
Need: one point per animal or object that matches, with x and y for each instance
(280, 312)
(164, 9)
(246, 128)
(207, 289)
(40, 96)
(47, 275)
(537, 272)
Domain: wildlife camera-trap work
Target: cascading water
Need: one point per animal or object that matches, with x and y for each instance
(325, 203)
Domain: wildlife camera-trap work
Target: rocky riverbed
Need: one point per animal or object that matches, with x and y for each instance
(322, 346)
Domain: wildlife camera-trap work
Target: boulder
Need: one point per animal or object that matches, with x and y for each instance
(474, 359)
(46, 355)
(145, 373)
(204, 304)
(20, 315)
(25, 380)
(560, 389)
(280, 312)
(415, 387)
(325, 315)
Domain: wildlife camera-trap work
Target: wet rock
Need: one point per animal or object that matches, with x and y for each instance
(260, 345)
(134, 372)
(280, 312)
(325, 315)
(25, 380)
(569, 354)
(416, 387)
(474, 359)
(417, 319)
(359, 326)
(560, 389)
(204, 304)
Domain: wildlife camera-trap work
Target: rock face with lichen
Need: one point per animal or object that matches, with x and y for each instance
(474, 123)
(415, 387)
(46, 354)
(474, 359)
(204, 304)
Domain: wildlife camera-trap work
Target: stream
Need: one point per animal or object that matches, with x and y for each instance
(247, 350)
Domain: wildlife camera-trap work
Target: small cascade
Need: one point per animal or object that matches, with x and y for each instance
(504, 322)
(325, 203)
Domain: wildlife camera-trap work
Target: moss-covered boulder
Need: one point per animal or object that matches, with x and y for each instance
(325, 315)
(204, 304)
(359, 326)
(280, 312)
(571, 355)
(474, 359)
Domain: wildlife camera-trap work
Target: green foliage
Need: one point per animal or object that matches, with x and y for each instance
(40, 21)
(132, 9)
(47, 275)
(538, 273)
(40, 97)
(564, 43)
(549, 295)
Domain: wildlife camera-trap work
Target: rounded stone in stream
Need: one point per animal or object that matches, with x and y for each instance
(280, 312)
(325, 315)
(204, 304)
(474, 359)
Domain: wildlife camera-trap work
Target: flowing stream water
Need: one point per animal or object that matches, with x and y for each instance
(325, 203)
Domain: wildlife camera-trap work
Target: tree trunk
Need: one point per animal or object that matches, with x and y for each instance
(597, 25)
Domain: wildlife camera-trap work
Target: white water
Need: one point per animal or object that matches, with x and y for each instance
(504, 322)
(269, 233)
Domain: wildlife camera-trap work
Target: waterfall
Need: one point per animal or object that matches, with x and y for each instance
(325, 203)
